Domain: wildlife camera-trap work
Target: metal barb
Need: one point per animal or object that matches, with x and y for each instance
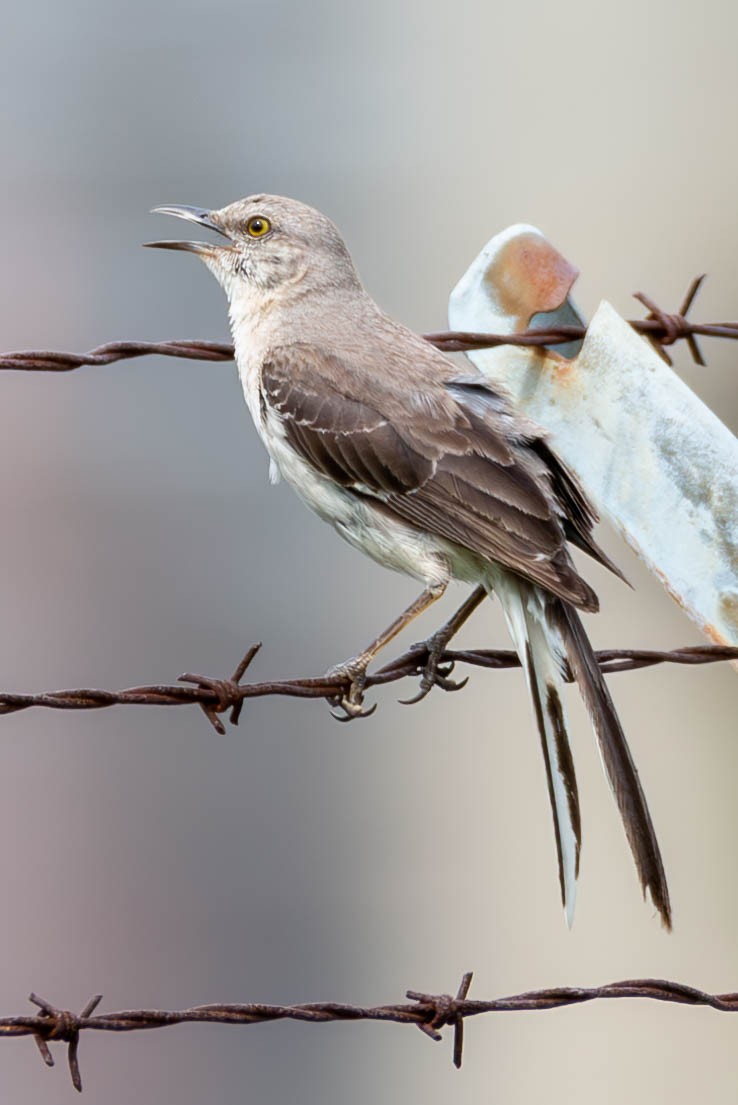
(461, 995)
(62, 1025)
(223, 694)
(676, 326)
(686, 305)
(444, 1010)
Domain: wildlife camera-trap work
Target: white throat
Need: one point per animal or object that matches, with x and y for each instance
(254, 331)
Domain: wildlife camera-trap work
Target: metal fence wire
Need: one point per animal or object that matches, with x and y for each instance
(428, 1012)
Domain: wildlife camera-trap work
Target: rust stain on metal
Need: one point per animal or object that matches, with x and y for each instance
(529, 276)
(729, 604)
(562, 368)
(710, 631)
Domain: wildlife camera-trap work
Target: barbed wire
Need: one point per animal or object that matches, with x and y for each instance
(431, 1013)
(216, 696)
(428, 1012)
(660, 327)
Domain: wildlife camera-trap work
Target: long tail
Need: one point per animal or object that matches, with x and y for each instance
(547, 632)
(617, 760)
(541, 652)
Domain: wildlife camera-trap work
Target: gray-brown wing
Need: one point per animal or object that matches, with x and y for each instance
(453, 461)
(344, 437)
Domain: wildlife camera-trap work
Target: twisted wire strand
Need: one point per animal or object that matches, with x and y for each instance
(428, 1012)
(216, 696)
(660, 327)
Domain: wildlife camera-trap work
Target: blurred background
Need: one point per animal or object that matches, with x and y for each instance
(295, 859)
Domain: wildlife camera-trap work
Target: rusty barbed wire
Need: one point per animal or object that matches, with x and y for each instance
(428, 1012)
(660, 327)
(431, 1013)
(217, 696)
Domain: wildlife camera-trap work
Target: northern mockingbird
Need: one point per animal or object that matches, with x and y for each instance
(428, 470)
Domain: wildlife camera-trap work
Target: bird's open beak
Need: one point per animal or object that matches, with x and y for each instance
(194, 215)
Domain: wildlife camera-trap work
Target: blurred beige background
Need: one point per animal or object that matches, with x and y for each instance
(295, 859)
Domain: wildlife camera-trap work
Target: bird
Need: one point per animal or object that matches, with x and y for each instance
(426, 467)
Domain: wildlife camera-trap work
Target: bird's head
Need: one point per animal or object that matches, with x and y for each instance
(273, 244)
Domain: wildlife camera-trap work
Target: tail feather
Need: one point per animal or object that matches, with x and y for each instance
(540, 648)
(616, 757)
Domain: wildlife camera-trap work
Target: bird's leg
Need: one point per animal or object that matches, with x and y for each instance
(354, 670)
(433, 673)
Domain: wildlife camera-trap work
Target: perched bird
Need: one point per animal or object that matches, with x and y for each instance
(428, 470)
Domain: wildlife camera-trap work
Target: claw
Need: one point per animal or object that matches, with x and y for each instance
(453, 684)
(352, 711)
(350, 702)
(434, 673)
(416, 697)
(427, 685)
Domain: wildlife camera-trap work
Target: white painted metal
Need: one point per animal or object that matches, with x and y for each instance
(652, 457)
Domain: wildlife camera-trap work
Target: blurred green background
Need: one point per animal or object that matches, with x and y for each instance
(295, 859)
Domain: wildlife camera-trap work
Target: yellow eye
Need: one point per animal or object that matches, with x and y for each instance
(258, 226)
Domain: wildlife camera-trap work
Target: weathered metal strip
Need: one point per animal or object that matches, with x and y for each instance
(652, 457)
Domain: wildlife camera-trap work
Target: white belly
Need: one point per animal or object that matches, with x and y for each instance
(364, 526)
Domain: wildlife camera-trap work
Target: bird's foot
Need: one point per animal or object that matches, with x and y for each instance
(349, 704)
(433, 673)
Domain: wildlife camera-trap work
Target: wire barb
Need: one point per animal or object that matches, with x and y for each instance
(676, 326)
(226, 692)
(62, 1025)
(444, 1010)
